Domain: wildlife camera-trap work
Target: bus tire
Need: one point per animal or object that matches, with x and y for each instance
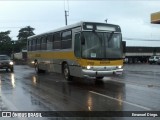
(38, 70)
(66, 72)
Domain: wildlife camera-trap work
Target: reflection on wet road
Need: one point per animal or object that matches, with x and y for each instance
(137, 90)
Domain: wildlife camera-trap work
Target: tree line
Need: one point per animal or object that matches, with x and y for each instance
(9, 46)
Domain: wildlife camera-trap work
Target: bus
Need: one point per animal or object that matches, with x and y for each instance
(84, 49)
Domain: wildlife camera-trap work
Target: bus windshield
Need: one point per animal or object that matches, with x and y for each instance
(102, 45)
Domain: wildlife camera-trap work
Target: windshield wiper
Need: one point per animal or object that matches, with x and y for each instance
(110, 36)
(97, 36)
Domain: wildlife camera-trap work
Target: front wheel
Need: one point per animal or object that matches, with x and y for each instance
(38, 70)
(66, 72)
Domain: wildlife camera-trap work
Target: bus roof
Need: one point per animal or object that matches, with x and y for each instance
(78, 24)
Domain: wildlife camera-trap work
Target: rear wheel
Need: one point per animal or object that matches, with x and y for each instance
(66, 72)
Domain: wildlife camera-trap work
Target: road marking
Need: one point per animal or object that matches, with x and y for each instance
(131, 82)
(145, 108)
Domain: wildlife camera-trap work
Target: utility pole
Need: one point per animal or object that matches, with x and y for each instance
(66, 14)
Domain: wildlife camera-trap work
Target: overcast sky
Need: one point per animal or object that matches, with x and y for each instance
(133, 16)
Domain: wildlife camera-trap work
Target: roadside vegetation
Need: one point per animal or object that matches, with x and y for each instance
(9, 46)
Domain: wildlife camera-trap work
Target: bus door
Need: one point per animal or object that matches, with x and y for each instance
(76, 69)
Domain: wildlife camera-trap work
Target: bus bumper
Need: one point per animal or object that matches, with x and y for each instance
(92, 73)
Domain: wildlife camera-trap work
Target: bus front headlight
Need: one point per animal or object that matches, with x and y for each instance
(88, 67)
(32, 62)
(119, 67)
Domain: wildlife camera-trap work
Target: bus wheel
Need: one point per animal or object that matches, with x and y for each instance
(38, 70)
(66, 72)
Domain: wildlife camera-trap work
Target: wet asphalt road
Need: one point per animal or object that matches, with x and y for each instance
(138, 89)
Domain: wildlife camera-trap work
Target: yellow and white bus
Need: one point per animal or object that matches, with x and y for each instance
(82, 49)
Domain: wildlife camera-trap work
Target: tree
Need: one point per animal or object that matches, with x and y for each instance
(6, 46)
(4, 37)
(24, 33)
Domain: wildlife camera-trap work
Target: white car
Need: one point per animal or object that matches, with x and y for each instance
(6, 63)
(153, 59)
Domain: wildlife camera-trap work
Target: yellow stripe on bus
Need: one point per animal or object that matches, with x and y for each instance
(50, 55)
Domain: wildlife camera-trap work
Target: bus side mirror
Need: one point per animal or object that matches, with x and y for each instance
(124, 46)
(82, 39)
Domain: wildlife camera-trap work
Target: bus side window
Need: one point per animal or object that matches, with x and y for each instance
(49, 41)
(38, 46)
(29, 45)
(66, 39)
(44, 43)
(77, 45)
(57, 41)
(34, 45)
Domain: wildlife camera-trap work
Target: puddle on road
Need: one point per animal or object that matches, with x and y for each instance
(150, 85)
(153, 86)
(2, 105)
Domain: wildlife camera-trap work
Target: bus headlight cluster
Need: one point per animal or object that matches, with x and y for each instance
(11, 63)
(88, 67)
(32, 62)
(119, 66)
